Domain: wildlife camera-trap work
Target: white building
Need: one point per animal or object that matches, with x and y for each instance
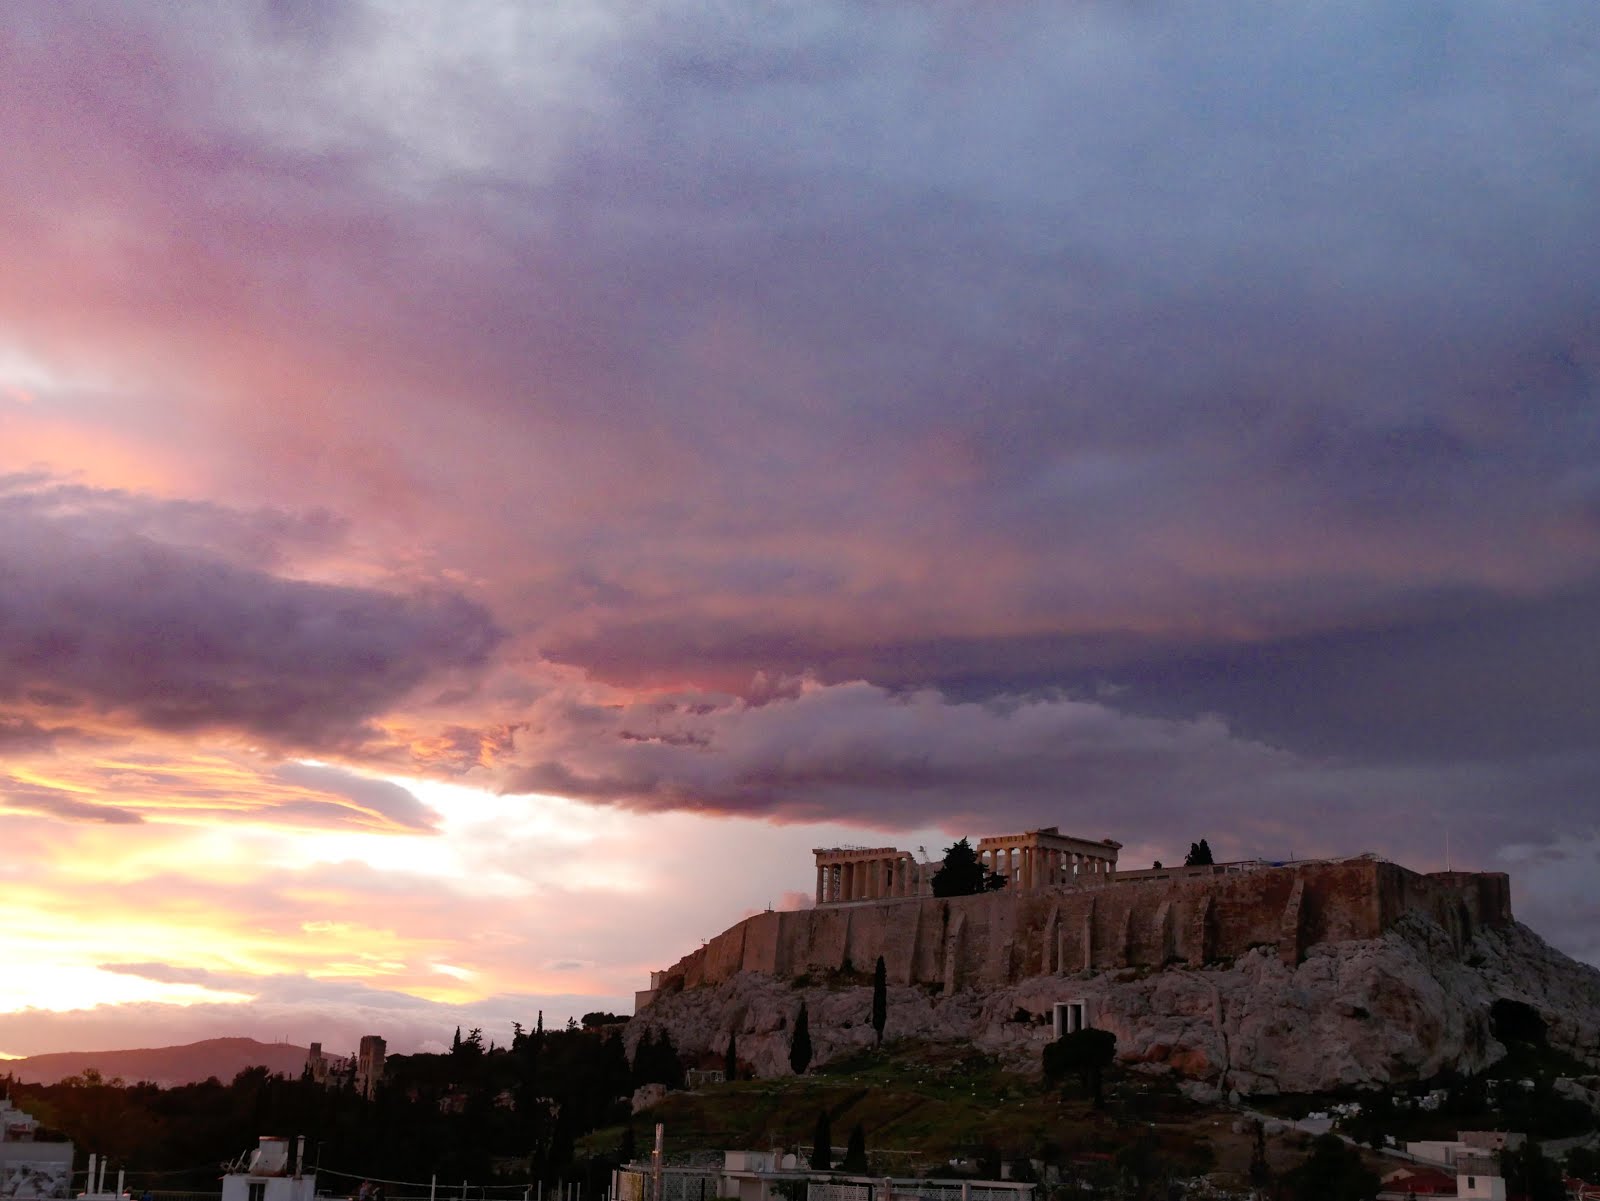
(266, 1174)
(763, 1175)
(30, 1169)
(1478, 1178)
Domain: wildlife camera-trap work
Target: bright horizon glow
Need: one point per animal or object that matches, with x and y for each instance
(450, 916)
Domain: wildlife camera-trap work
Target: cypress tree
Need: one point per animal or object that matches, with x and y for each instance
(821, 1144)
(880, 998)
(730, 1060)
(800, 1043)
(855, 1154)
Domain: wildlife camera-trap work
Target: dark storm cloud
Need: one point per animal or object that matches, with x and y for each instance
(1210, 395)
(169, 638)
(859, 753)
(1464, 674)
(855, 751)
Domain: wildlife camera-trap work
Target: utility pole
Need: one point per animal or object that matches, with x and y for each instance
(656, 1157)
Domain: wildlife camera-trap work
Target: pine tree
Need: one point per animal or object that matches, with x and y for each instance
(455, 1047)
(800, 1043)
(880, 998)
(821, 1144)
(961, 874)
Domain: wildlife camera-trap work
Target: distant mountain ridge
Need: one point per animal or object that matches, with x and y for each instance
(191, 1063)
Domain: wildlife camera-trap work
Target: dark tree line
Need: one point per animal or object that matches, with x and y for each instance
(454, 1114)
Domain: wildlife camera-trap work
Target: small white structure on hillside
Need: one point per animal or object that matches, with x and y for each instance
(30, 1169)
(266, 1174)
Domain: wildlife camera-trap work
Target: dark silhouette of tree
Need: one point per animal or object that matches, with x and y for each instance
(1199, 855)
(822, 1144)
(455, 1045)
(855, 1152)
(629, 1151)
(730, 1060)
(962, 875)
(880, 998)
(655, 1061)
(1584, 1163)
(800, 1042)
(1085, 1054)
(1332, 1172)
(454, 1114)
(1529, 1173)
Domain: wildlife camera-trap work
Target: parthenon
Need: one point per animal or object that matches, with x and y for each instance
(870, 874)
(1030, 861)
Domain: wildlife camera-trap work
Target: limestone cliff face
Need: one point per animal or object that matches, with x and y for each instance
(994, 940)
(1404, 1005)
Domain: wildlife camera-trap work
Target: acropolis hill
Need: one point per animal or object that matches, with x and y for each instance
(1251, 975)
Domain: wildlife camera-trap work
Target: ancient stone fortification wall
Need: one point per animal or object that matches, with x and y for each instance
(999, 938)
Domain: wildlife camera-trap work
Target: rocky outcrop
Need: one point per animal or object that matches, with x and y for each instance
(1000, 938)
(1363, 1012)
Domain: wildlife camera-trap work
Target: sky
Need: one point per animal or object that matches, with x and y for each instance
(485, 489)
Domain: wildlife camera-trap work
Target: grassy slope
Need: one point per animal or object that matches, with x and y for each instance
(922, 1105)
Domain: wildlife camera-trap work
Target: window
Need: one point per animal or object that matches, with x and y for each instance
(257, 1190)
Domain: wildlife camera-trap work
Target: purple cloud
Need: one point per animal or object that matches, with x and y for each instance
(22, 797)
(173, 639)
(389, 802)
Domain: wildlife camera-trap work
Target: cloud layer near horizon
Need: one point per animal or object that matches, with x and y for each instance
(1131, 419)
